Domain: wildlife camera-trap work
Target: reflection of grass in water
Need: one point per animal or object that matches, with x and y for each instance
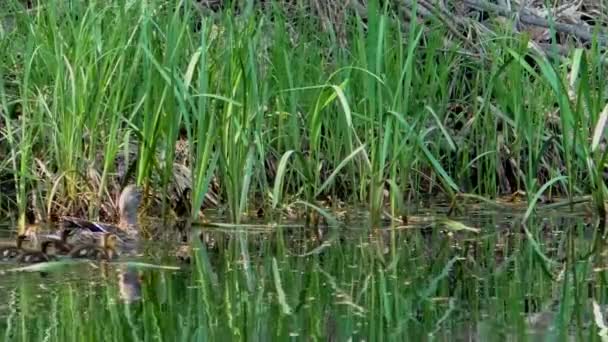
(437, 281)
(381, 116)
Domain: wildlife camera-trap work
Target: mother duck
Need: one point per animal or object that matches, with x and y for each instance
(84, 231)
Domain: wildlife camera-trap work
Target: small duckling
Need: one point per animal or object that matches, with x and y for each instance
(106, 250)
(61, 245)
(34, 257)
(12, 252)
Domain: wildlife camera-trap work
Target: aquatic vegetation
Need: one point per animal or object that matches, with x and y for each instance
(432, 281)
(240, 111)
(270, 119)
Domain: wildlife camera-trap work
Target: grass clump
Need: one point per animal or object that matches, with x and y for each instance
(259, 108)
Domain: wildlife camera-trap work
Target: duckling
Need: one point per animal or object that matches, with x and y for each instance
(12, 252)
(62, 246)
(106, 250)
(59, 240)
(34, 257)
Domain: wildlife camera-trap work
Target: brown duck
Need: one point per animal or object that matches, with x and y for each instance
(80, 231)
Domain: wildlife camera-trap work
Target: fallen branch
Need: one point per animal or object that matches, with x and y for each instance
(534, 20)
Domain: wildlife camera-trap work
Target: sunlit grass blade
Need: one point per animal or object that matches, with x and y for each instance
(457, 226)
(279, 288)
(280, 178)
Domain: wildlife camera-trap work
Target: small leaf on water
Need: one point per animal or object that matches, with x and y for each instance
(457, 226)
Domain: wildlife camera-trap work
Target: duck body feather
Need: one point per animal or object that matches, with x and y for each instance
(9, 253)
(34, 257)
(89, 232)
(104, 250)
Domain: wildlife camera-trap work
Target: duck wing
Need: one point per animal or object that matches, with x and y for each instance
(89, 232)
(94, 227)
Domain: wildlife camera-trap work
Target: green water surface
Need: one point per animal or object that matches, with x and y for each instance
(419, 282)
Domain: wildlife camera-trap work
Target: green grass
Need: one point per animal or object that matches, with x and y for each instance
(277, 111)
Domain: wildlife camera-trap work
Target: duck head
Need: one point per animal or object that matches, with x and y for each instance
(128, 203)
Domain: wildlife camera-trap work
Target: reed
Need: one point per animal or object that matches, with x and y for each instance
(107, 91)
(280, 115)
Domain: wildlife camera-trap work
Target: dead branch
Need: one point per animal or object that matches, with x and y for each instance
(528, 18)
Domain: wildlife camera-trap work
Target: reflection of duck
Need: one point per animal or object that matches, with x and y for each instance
(127, 230)
(185, 252)
(129, 281)
(33, 257)
(106, 250)
(12, 252)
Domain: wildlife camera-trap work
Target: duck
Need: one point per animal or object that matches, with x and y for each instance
(62, 246)
(105, 250)
(13, 252)
(59, 240)
(34, 257)
(184, 253)
(60, 243)
(82, 231)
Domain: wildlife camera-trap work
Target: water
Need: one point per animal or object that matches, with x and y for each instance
(417, 282)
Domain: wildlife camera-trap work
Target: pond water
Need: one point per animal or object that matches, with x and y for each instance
(420, 281)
